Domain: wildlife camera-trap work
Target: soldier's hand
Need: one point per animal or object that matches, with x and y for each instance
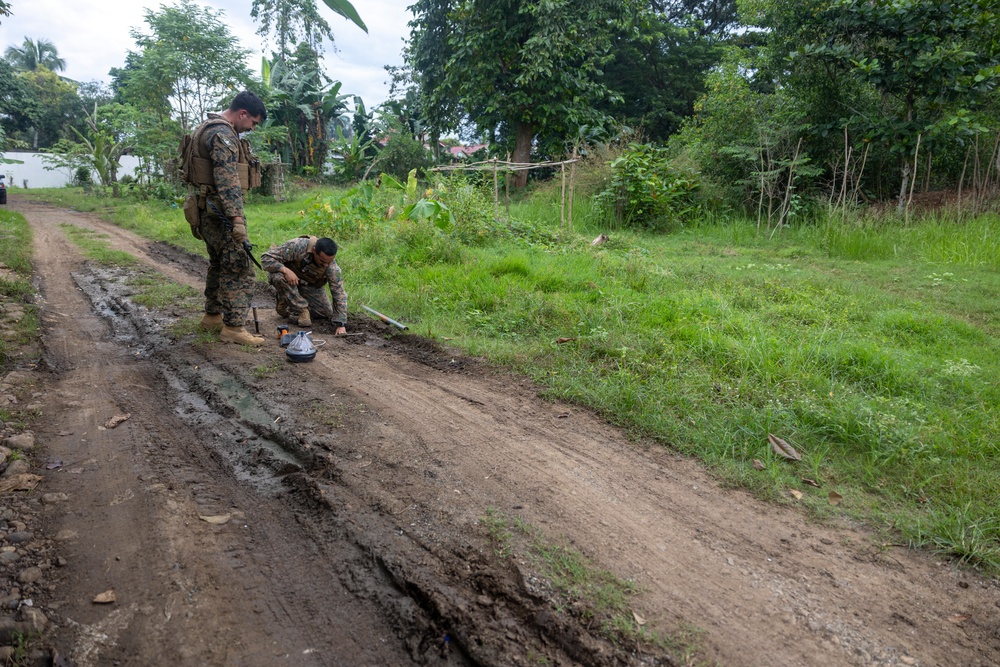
(240, 232)
(290, 276)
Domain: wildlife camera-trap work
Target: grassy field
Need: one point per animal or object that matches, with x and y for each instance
(872, 348)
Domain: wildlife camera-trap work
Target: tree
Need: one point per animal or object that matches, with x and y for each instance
(58, 106)
(19, 107)
(927, 62)
(520, 70)
(660, 61)
(291, 22)
(33, 54)
(189, 58)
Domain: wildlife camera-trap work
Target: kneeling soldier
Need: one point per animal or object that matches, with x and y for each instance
(298, 270)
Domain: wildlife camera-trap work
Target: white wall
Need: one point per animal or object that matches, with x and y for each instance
(34, 172)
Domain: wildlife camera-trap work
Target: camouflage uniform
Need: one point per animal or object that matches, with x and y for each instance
(309, 293)
(229, 286)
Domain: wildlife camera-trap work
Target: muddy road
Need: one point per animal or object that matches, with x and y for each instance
(249, 511)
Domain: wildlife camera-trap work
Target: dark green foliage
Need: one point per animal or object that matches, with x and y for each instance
(660, 60)
(646, 191)
(516, 69)
(189, 63)
(401, 154)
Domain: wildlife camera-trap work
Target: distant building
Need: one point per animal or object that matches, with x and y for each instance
(465, 152)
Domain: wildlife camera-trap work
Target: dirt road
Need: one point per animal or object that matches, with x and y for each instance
(252, 512)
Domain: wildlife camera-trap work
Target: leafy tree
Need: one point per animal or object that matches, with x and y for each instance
(519, 70)
(296, 21)
(189, 58)
(291, 22)
(58, 106)
(659, 67)
(33, 54)
(19, 107)
(927, 63)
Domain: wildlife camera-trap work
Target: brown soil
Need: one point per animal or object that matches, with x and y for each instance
(355, 486)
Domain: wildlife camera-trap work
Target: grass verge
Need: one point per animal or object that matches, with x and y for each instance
(18, 312)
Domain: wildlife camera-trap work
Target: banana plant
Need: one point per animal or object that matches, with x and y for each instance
(347, 10)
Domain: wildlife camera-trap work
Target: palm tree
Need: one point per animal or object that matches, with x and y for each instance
(34, 54)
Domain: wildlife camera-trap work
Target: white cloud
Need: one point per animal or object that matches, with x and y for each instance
(94, 37)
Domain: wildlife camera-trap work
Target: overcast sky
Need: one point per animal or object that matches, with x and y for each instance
(94, 36)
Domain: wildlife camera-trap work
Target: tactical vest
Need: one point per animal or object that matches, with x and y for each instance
(196, 169)
(309, 272)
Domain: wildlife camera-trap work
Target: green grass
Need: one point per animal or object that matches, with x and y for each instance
(16, 289)
(871, 347)
(154, 291)
(95, 247)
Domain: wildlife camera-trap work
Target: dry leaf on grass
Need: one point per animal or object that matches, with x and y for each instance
(22, 482)
(116, 420)
(107, 597)
(782, 448)
(560, 341)
(796, 494)
(758, 465)
(835, 498)
(217, 520)
(810, 482)
(639, 620)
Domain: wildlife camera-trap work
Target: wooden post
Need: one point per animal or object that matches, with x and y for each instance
(506, 184)
(562, 207)
(572, 174)
(496, 192)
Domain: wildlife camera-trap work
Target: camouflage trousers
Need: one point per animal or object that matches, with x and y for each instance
(229, 285)
(293, 299)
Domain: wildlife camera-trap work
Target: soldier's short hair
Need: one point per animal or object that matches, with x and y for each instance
(249, 102)
(326, 246)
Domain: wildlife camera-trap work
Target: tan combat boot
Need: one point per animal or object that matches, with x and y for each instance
(304, 319)
(240, 336)
(211, 322)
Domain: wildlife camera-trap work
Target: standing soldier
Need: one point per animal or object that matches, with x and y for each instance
(298, 270)
(222, 168)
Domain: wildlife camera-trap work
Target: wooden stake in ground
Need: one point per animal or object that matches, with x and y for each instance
(562, 203)
(496, 192)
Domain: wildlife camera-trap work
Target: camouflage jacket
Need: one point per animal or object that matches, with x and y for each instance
(222, 147)
(296, 256)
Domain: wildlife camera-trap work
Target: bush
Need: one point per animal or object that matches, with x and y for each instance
(645, 190)
(402, 154)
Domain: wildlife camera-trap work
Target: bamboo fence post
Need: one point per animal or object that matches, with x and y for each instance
(496, 192)
(562, 203)
(506, 184)
(913, 182)
(572, 175)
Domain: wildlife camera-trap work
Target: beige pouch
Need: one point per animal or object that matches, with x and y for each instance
(192, 214)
